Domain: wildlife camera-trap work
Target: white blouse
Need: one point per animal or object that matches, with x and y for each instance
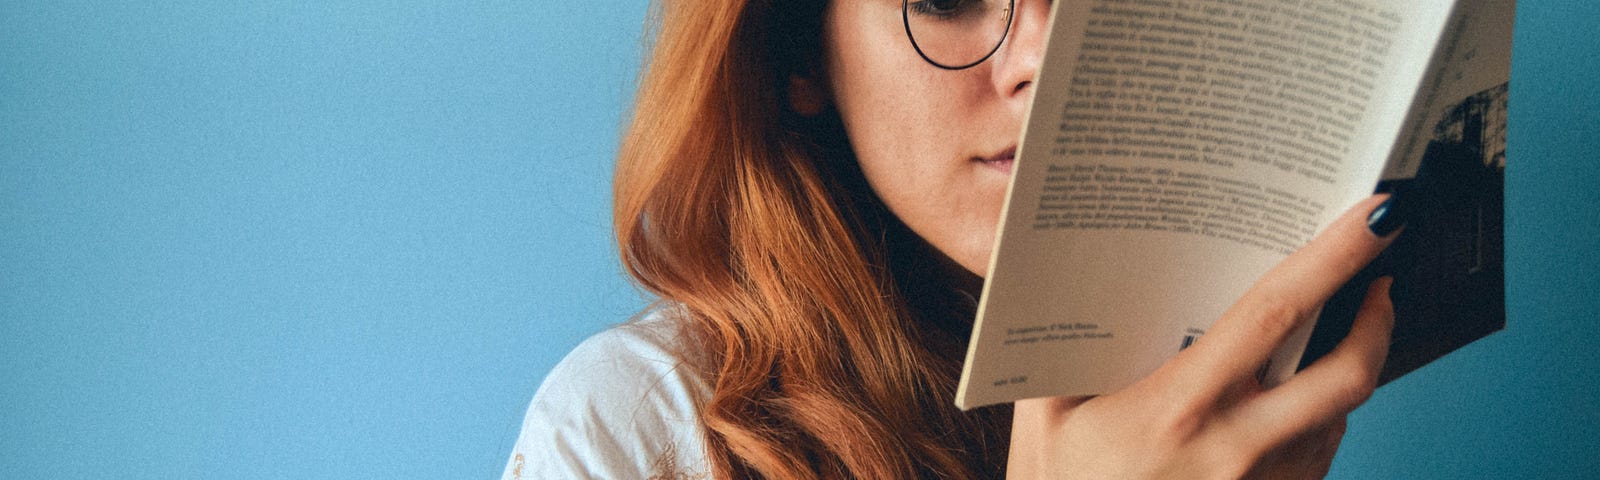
(622, 405)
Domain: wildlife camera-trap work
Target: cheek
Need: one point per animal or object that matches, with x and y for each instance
(951, 202)
(886, 98)
(911, 128)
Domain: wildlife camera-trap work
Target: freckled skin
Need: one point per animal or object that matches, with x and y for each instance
(919, 130)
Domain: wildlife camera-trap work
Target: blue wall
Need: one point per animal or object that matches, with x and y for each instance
(293, 239)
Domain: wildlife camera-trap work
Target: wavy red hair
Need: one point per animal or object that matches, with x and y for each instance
(834, 334)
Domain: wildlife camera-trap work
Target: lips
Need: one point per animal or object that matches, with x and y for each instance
(1001, 161)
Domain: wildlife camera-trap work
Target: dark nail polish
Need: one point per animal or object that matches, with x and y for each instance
(1385, 219)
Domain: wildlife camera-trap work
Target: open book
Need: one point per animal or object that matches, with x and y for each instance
(1178, 149)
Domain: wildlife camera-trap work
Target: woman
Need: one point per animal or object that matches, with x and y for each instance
(814, 197)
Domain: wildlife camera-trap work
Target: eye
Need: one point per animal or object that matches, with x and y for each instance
(944, 9)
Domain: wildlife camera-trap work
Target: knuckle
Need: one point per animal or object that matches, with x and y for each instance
(1350, 259)
(1230, 460)
(1275, 315)
(1337, 429)
(1182, 420)
(1354, 390)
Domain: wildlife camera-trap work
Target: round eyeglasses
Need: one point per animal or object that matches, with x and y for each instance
(956, 34)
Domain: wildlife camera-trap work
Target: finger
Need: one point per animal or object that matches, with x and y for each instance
(1307, 456)
(1323, 458)
(1338, 382)
(1048, 410)
(1290, 293)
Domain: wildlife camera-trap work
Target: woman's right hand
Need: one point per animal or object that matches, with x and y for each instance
(1204, 414)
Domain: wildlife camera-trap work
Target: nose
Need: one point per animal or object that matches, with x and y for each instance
(1017, 62)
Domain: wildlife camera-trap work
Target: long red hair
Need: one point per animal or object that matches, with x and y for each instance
(835, 337)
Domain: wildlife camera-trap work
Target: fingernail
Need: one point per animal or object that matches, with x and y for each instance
(1385, 219)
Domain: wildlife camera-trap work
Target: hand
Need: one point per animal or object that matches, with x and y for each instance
(1203, 414)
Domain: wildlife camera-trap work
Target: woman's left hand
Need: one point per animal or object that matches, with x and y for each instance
(1204, 414)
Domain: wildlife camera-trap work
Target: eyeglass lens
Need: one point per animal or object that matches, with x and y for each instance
(956, 34)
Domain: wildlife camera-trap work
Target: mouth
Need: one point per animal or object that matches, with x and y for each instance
(1001, 161)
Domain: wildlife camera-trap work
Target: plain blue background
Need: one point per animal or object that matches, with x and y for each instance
(333, 240)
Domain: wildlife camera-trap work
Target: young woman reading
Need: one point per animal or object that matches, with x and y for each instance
(812, 188)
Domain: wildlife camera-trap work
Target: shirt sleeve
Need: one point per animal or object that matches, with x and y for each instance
(621, 405)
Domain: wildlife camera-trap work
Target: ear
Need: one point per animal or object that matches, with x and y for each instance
(807, 97)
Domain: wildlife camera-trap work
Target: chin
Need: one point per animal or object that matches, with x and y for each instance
(975, 260)
(979, 267)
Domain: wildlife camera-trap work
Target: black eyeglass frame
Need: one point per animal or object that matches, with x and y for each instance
(905, 19)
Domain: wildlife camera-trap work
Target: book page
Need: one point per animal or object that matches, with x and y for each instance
(1472, 66)
(1174, 152)
(1449, 265)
